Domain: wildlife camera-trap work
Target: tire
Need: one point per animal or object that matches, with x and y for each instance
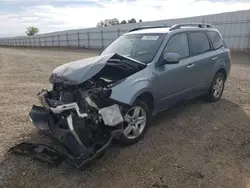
(212, 95)
(129, 139)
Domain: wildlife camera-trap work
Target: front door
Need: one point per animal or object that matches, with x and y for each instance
(174, 81)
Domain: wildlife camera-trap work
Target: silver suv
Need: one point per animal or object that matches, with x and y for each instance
(114, 95)
(183, 61)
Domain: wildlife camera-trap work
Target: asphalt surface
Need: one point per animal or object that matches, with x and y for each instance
(193, 144)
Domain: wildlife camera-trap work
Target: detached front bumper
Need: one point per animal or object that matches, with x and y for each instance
(43, 120)
(39, 116)
(77, 153)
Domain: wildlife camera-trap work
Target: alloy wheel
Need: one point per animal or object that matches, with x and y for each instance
(135, 122)
(218, 87)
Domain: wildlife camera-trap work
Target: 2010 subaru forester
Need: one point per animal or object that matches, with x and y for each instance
(114, 95)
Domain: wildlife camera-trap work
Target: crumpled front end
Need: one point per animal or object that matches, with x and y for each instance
(82, 116)
(82, 126)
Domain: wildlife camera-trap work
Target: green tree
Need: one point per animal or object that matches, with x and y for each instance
(123, 22)
(31, 31)
(133, 20)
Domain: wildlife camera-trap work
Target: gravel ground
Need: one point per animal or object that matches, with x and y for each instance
(195, 144)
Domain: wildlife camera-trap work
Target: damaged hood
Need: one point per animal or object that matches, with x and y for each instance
(79, 71)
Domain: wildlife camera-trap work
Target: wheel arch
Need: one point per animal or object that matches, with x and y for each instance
(223, 71)
(146, 97)
(221, 68)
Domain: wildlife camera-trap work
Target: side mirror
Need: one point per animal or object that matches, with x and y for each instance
(170, 58)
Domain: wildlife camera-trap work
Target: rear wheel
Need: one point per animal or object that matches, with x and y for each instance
(135, 124)
(217, 87)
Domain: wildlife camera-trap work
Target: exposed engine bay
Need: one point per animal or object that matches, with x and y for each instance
(78, 112)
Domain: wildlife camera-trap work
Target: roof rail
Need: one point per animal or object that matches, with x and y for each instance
(148, 27)
(200, 25)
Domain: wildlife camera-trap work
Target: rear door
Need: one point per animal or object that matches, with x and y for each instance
(204, 59)
(220, 49)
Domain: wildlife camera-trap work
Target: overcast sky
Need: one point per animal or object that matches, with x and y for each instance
(55, 15)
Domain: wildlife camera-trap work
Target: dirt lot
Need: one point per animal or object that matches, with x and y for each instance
(196, 144)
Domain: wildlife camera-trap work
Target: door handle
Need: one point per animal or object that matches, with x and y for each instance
(190, 66)
(214, 58)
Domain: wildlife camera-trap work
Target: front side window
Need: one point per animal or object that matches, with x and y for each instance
(178, 44)
(215, 39)
(141, 47)
(198, 43)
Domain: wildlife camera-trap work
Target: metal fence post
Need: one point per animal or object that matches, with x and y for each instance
(118, 31)
(67, 39)
(58, 38)
(88, 39)
(102, 38)
(30, 42)
(39, 40)
(19, 41)
(248, 50)
(52, 38)
(34, 41)
(15, 41)
(78, 39)
(25, 42)
(45, 41)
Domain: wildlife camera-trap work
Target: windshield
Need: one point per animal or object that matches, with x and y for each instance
(141, 47)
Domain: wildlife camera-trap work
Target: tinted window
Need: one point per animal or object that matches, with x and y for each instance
(199, 43)
(178, 44)
(215, 39)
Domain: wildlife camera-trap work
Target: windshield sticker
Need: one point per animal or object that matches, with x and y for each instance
(150, 37)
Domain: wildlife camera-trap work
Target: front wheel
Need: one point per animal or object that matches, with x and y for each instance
(136, 121)
(217, 87)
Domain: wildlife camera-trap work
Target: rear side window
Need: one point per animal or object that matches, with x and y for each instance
(198, 43)
(215, 39)
(178, 44)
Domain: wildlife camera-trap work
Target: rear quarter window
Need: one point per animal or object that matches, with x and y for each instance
(216, 39)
